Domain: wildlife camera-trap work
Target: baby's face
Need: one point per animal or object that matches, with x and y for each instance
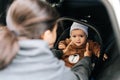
(78, 37)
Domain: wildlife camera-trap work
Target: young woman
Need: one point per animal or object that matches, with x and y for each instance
(25, 47)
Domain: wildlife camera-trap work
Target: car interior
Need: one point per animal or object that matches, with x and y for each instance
(93, 14)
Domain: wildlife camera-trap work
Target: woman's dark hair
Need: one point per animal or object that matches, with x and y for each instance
(31, 21)
(29, 18)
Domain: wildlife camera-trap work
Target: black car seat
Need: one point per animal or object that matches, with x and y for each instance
(93, 33)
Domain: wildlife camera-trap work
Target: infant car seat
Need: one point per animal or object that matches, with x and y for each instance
(93, 33)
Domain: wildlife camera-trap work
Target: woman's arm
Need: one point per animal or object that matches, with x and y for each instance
(83, 68)
(57, 53)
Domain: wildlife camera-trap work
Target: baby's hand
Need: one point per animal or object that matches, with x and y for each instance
(96, 50)
(66, 49)
(105, 57)
(87, 52)
(97, 53)
(61, 46)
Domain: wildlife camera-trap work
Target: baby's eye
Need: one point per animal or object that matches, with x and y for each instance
(80, 35)
(74, 36)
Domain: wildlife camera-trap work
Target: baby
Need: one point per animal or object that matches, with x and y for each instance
(74, 47)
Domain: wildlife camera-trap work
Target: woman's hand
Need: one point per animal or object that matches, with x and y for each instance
(87, 52)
